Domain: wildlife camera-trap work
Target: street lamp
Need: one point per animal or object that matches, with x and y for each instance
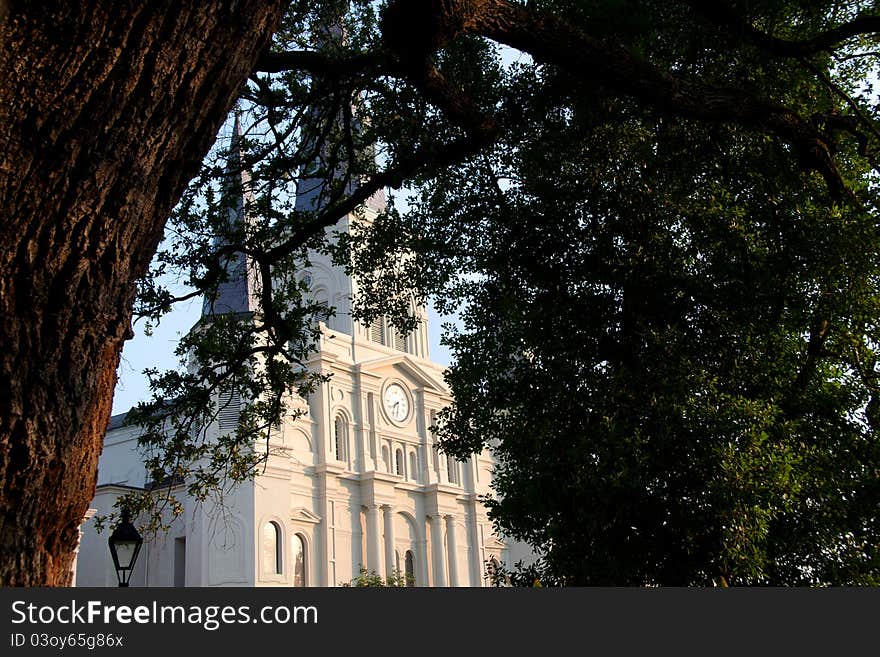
(125, 543)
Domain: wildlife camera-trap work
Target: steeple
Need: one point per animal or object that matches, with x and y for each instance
(330, 283)
(312, 193)
(236, 295)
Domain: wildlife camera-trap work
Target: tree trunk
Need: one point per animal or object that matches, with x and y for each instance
(106, 109)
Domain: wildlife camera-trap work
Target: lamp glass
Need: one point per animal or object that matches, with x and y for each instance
(125, 551)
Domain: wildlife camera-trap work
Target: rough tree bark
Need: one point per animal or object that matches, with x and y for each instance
(107, 109)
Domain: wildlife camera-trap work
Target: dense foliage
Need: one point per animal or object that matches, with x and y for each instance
(658, 223)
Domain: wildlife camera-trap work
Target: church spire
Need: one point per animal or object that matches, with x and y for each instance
(235, 295)
(312, 193)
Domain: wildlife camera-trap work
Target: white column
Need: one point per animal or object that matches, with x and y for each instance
(474, 549)
(451, 546)
(373, 549)
(76, 556)
(87, 516)
(321, 409)
(367, 434)
(431, 473)
(423, 568)
(375, 445)
(390, 564)
(324, 535)
(439, 553)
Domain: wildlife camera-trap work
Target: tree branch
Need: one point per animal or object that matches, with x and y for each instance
(318, 63)
(410, 29)
(723, 14)
(393, 177)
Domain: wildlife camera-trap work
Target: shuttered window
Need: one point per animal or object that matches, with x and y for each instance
(377, 330)
(229, 407)
(399, 342)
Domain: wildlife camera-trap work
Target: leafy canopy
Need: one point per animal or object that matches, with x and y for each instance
(658, 224)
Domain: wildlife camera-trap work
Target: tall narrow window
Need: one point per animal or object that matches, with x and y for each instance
(399, 341)
(377, 330)
(322, 298)
(272, 549)
(386, 459)
(340, 438)
(452, 470)
(299, 560)
(228, 408)
(398, 462)
(413, 467)
(180, 561)
(409, 564)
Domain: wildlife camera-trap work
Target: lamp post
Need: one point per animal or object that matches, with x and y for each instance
(125, 544)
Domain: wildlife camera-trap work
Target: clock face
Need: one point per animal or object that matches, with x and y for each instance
(396, 403)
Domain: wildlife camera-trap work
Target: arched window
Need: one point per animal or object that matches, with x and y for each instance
(410, 566)
(272, 564)
(413, 466)
(492, 571)
(452, 469)
(386, 460)
(299, 560)
(340, 438)
(398, 462)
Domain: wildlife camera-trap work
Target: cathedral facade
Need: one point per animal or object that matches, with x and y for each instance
(354, 483)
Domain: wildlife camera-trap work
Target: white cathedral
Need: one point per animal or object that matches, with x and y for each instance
(356, 483)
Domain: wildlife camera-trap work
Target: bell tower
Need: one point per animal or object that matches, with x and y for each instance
(329, 283)
(237, 294)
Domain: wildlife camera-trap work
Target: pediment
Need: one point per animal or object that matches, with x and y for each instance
(493, 544)
(303, 514)
(406, 366)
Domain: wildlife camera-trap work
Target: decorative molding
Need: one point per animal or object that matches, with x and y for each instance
(424, 378)
(494, 543)
(302, 514)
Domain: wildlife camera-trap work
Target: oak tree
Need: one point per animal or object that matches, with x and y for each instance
(657, 221)
(107, 110)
